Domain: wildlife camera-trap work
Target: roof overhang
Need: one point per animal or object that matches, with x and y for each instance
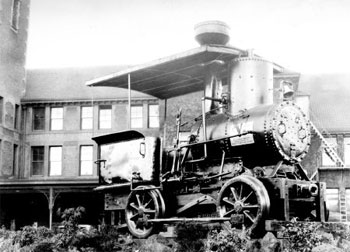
(171, 76)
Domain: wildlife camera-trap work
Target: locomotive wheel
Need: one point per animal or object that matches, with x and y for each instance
(247, 197)
(142, 206)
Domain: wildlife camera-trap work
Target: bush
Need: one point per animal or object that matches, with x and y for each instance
(190, 237)
(224, 241)
(30, 235)
(301, 236)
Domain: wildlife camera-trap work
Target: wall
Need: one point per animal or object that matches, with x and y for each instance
(12, 84)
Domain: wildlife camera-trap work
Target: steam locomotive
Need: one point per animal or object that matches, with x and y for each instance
(241, 163)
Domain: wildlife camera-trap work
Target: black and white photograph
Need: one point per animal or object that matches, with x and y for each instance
(174, 125)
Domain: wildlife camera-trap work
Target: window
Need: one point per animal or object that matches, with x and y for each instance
(1, 108)
(16, 4)
(105, 117)
(15, 158)
(86, 157)
(326, 160)
(136, 117)
(55, 161)
(347, 202)
(56, 118)
(38, 160)
(16, 126)
(332, 197)
(38, 118)
(86, 117)
(153, 116)
(347, 151)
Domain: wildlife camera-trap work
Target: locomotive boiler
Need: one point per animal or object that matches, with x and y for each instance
(241, 163)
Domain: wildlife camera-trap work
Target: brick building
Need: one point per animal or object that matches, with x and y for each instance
(14, 15)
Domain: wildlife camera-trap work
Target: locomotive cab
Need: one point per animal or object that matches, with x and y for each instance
(126, 157)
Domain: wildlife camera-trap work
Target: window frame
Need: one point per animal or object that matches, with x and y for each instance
(347, 150)
(16, 122)
(82, 161)
(15, 14)
(56, 119)
(102, 122)
(150, 117)
(15, 159)
(138, 118)
(41, 120)
(58, 161)
(37, 161)
(85, 118)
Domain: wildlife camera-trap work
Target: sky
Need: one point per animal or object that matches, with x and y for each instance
(307, 36)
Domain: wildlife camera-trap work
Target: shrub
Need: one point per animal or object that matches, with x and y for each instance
(71, 218)
(301, 236)
(224, 241)
(190, 237)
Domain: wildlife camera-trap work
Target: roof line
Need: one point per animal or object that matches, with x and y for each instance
(146, 65)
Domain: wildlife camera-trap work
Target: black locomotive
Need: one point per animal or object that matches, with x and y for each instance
(240, 163)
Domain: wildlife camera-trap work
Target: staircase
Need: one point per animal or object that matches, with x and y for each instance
(328, 148)
(342, 206)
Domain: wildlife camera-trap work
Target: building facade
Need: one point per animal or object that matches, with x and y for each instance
(14, 16)
(329, 103)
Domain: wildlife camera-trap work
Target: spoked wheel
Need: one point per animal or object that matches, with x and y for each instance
(143, 204)
(244, 198)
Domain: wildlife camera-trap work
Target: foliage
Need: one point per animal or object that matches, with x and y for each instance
(301, 236)
(70, 223)
(30, 235)
(223, 241)
(190, 237)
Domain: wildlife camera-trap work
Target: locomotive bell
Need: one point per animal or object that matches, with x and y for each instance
(287, 89)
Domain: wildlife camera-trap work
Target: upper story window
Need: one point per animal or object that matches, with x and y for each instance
(39, 118)
(56, 118)
(55, 161)
(17, 115)
(326, 160)
(16, 5)
(136, 116)
(86, 160)
(86, 117)
(347, 151)
(38, 153)
(105, 117)
(1, 107)
(153, 116)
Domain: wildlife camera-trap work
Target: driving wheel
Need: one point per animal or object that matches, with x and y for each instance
(143, 205)
(244, 198)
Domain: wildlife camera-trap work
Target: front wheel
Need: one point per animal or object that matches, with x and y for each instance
(247, 198)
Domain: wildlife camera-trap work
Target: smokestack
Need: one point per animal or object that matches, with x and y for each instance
(212, 33)
(213, 85)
